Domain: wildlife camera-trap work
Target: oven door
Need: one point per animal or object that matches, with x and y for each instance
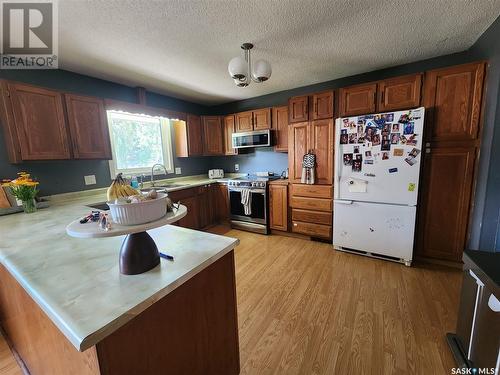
(259, 206)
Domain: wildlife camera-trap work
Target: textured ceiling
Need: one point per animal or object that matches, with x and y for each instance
(182, 47)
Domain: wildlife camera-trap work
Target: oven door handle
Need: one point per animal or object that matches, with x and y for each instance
(253, 191)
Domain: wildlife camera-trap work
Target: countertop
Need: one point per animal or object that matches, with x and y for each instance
(77, 282)
(99, 195)
(488, 263)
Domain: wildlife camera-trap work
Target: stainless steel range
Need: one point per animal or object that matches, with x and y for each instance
(257, 220)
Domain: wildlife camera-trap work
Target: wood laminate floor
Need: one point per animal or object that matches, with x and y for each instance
(304, 308)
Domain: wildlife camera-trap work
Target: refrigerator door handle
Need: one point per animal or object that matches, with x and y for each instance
(341, 201)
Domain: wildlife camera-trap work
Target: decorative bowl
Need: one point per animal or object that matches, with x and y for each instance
(139, 213)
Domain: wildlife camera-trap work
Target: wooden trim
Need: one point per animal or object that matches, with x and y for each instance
(118, 105)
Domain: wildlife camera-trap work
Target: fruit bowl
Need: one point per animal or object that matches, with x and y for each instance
(139, 213)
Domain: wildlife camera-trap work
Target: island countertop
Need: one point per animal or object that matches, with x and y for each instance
(77, 282)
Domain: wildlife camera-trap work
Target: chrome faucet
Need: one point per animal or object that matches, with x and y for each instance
(153, 174)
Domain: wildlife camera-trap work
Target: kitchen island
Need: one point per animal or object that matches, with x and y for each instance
(66, 308)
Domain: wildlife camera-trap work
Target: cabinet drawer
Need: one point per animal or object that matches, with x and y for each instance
(319, 204)
(313, 230)
(308, 216)
(313, 191)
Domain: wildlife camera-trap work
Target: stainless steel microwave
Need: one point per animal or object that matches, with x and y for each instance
(258, 138)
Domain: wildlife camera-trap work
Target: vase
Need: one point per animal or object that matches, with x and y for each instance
(29, 206)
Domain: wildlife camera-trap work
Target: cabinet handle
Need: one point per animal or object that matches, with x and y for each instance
(427, 150)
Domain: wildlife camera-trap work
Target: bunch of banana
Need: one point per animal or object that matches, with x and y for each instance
(120, 189)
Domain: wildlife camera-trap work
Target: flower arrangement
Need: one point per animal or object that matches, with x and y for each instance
(24, 189)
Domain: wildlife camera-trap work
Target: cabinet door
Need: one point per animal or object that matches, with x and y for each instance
(321, 141)
(229, 126)
(88, 126)
(222, 202)
(40, 123)
(444, 209)
(452, 98)
(191, 220)
(262, 119)
(280, 126)
(298, 110)
(357, 100)
(297, 147)
(399, 93)
(278, 203)
(244, 122)
(213, 136)
(194, 135)
(203, 206)
(322, 105)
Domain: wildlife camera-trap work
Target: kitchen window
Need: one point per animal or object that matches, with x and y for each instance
(138, 142)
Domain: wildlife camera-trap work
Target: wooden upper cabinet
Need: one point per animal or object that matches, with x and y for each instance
(322, 105)
(280, 126)
(39, 122)
(229, 127)
(194, 135)
(244, 122)
(444, 210)
(298, 109)
(298, 137)
(88, 127)
(399, 93)
(262, 119)
(452, 98)
(188, 136)
(213, 136)
(357, 100)
(321, 142)
(278, 207)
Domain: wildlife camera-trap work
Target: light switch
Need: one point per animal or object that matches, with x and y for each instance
(178, 170)
(90, 180)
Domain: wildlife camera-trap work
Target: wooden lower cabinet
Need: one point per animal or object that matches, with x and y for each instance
(309, 203)
(445, 204)
(206, 204)
(278, 206)
(312, 229)
(312, 216)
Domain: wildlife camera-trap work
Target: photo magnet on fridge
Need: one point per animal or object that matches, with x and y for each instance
(412, 140)
(413, 153)
(353, 138)
(343, 131)
(376, 139)
(345, 122)
(385, 156)
(352, 125)
(411, 186)
(389, 117)
(356, 149)
(398, 152)
(344, 139)
(361, 139)
(368, 161)
(358, 157)
(393, 170)
(394, 138)
(395, 128)
(411, 161)
(368, 154)
(357, 165)
(409, 128)
(348, 159)
(386, 145)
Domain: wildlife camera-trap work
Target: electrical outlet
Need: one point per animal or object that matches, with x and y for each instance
(178, 170)
(236, 167)
(89, 180)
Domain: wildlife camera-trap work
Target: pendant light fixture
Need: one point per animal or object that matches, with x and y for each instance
(241, 70)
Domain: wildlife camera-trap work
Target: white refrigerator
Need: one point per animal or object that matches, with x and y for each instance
(377, 168)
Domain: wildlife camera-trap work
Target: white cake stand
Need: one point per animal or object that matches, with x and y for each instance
(138, 253)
